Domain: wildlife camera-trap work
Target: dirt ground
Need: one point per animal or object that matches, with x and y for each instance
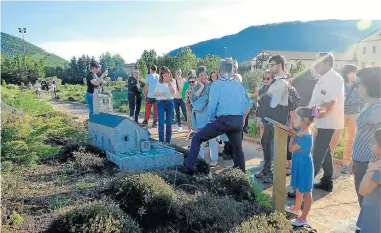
(334, 212)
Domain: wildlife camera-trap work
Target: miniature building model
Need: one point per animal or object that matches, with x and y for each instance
(127, 144)
(102, 101)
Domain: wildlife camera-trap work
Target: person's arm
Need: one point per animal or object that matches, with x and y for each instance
(214, 94)
(172, 90)
(276, 91)
(292, 146)
(146, 87)
(370, 182)
(248, 105)
(199, 91)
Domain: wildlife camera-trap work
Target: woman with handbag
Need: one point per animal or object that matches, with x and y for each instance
(199, 99)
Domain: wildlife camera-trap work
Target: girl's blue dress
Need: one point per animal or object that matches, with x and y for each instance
(302, 172)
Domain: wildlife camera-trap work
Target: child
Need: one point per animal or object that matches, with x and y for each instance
(370, 188)
(38, 89)
(302, 165)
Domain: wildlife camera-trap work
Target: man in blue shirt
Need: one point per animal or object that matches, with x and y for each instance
(227, 108)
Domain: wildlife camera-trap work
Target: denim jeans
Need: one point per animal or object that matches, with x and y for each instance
(165, 111)
(179, 103)
(89, 100)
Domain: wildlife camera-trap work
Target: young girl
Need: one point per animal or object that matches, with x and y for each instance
(370, 188)
(302, 165)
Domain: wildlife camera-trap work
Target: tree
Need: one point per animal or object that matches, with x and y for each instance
(211, 62)
(252, 79)
(142, 66)
(299, 68)
(186, 60)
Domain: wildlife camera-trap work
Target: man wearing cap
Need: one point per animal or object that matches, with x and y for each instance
(134, 95)
(227, 107)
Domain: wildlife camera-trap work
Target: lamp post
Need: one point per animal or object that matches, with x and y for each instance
(226, 51)
(23, 31)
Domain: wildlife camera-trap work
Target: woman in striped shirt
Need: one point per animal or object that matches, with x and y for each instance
(368, 86)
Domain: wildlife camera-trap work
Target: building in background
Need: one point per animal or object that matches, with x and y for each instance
(367, 51)
(364, 53)
(292, 57)
(129, 68)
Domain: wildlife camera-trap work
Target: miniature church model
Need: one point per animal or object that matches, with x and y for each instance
(126, 143)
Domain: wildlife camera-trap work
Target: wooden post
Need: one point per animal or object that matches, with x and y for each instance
(280, 153)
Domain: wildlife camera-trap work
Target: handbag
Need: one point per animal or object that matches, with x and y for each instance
(200, 104)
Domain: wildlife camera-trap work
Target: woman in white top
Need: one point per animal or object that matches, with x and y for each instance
(164, 94)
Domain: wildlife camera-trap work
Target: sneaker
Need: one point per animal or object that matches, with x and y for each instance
(260, 175)
(268, 179)
(154, 124)
(325, 187)
(179, 129)
(262, 163)
(131, 118)
(291, 194)
(290, 209)
(299, 222)
(213, 163)
(345, 169)
(144, 123)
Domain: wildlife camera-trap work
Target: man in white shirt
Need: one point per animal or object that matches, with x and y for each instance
(278, 111)
(328, 97)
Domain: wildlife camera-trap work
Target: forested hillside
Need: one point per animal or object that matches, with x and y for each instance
(13, 46)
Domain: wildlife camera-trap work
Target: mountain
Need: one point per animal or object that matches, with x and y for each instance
(13, 46)
(312, 36)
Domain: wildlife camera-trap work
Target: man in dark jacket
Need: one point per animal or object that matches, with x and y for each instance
(134, 95)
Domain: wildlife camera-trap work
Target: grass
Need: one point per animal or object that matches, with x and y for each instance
(253, 128)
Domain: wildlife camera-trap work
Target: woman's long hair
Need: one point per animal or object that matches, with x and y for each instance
(210, 76)
(346, 70)
(163, 70)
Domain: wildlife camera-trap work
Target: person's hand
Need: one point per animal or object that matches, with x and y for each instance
(374, 166)
(350, 168)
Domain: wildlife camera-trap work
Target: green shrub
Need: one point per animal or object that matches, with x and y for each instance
(202, 167)
(253, 128)
(234, 183)
(260, 197)
(6, 166)
(272, 223)
(87, 162)
(145, 196)
(173, 177)
(18, 152)
(213, 214)
(98, 216)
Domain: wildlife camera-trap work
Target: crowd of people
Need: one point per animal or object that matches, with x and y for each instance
(40, 85)
(319, 105)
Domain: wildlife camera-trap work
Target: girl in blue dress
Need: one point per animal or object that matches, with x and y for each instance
(302, 165)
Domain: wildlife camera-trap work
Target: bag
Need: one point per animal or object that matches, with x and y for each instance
(200, 104)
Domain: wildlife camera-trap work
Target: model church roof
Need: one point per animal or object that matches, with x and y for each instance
(107, 119)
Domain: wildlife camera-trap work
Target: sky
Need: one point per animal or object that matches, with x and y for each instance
(73, 28)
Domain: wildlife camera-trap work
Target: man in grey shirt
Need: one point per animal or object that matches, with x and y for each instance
(278, 111)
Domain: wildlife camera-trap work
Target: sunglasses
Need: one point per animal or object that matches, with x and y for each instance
(191, 82)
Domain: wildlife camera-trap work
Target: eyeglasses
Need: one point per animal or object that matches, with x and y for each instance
(266, 78)
(273, 64)
(191, 82)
